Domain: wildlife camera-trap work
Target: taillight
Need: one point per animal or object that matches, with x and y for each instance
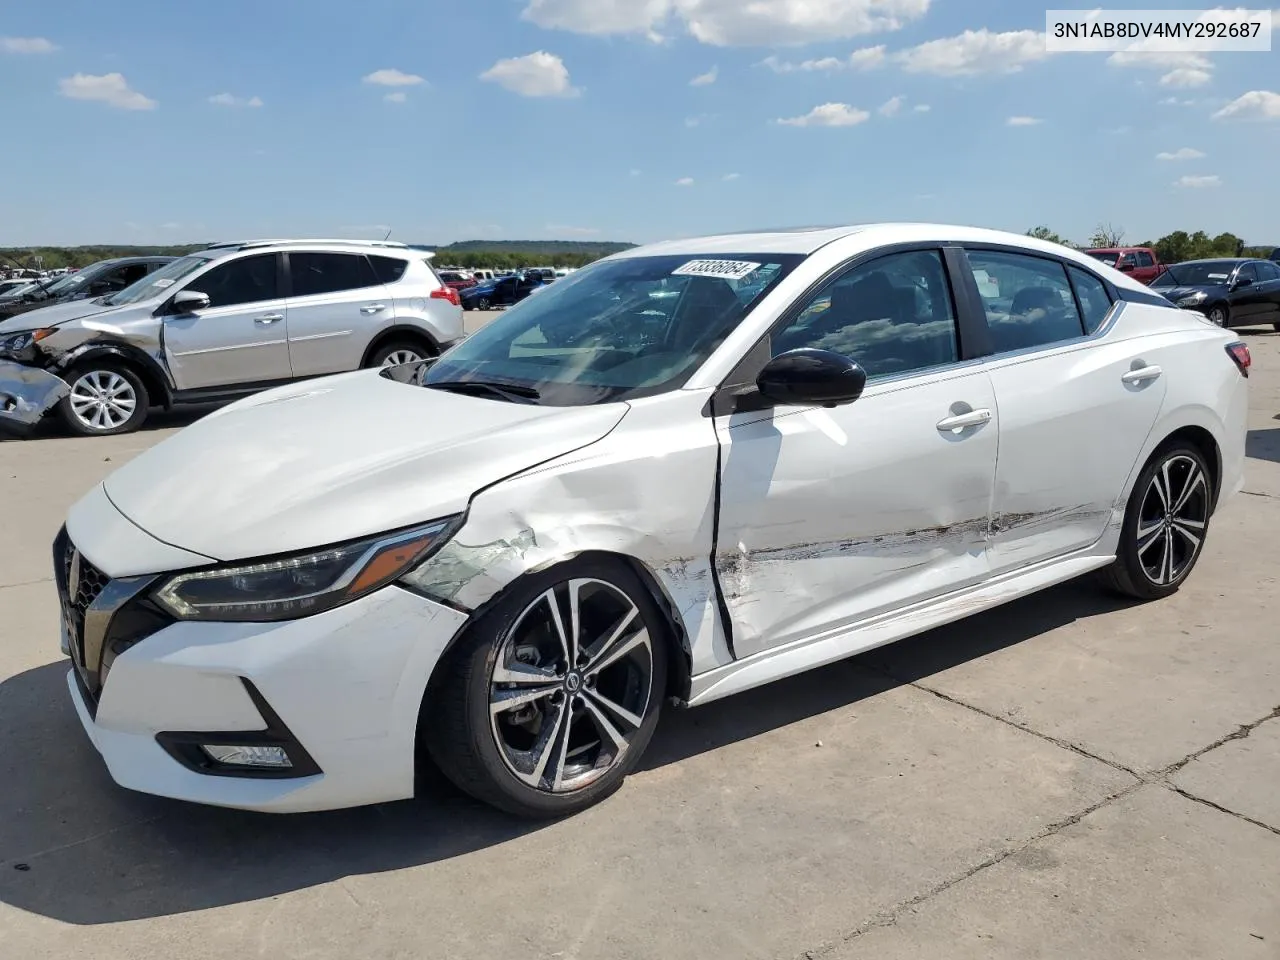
(447, 293)
(1239, 352)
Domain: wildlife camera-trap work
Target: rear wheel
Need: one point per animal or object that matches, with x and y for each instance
(106, 398)
(1165, 525)
(554, 694)
(483, 304)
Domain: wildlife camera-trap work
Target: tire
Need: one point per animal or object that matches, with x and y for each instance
(1168, 542)
(1220, 314)
(483, 304)
(395, 352)
(107, 398)
(517, 759)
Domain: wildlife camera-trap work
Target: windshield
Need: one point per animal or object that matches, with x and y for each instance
(74, 281)
(155, 284)
(1109, 258)
(1206, 273)
(618, 330)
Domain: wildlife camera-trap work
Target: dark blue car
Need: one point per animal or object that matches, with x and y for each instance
(501, 292)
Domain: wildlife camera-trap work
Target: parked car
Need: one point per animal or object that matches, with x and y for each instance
(1231, 292)
(223, 323)
(512, 557)
(10, 287)
(1141, 263)
(503, 292)
(456, 280)
(101, 279)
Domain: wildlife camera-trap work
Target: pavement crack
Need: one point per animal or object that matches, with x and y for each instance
(889, 917)
(1240, 733)
(24, 583)
(1259, 493)
(29, 857)
(1221, 809)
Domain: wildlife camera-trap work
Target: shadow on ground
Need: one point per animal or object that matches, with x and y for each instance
(77, 848)
(51, 428)
(1263, 444)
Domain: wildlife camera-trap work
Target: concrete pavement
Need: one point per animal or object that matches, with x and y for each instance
(1067, 776)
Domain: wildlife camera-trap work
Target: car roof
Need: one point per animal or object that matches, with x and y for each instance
(382, 247)
(1236, 260)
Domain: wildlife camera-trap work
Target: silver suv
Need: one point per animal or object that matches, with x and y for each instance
(228, 321)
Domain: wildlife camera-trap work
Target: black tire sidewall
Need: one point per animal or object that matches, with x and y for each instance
(1127, 552)
(73, 423)
(1226, 315)
(392, 346)
(480, 648)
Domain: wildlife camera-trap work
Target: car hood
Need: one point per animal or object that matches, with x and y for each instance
(1187, 289)
(52, 316)
(330, 460)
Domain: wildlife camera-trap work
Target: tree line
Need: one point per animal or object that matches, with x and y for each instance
(1171, 248)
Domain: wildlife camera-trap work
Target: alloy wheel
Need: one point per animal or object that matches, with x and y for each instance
(483, 303)
(103, 400)
(1219, 316)
(571, 685)
(397, 357)
(1172, 520)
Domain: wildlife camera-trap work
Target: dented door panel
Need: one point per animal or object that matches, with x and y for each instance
(1070, 428)
(829, 516)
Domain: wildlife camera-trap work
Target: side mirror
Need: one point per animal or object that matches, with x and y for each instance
(1242, 282)
(809, 377)
(189, 301)
(1126, 266)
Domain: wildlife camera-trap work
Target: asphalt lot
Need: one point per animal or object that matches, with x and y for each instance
(1068, 776)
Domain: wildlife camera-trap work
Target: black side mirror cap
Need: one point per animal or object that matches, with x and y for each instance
(810, 377)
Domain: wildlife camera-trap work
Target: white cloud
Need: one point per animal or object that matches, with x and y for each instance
(731, 22)
(705, 79)
(393, 78)
(110, 88)
(398, 97)
(685, 182)
(692, 122)
(1186, 77)
(891, 107)
(230, 100)
(1159, 59)
(829, 115)
(921, 108)
(1175, 102)
(26, 45)
(730, 177)
(975, 52)
(1195, 183)
(1182, 153)
(1254, 105)
(1023, 121)
(539, 74)
(868, 58)
(636, 173)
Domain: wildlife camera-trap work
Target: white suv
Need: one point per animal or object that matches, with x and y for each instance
(228, 321)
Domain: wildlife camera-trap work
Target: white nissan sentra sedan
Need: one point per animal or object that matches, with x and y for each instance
(682, 472)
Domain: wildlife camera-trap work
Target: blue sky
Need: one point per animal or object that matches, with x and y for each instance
(153, 121)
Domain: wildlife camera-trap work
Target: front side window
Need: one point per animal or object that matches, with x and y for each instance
(892, 315)
(617, 330)
(158, 283)
(1094, 301)
(1247, 272)
(1036, 306)
(1109, 257)
(315, 273)
(247, 280)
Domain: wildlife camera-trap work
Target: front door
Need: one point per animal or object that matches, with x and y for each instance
(241, 337)
(830, 516)
(1072, 410)
(336, 307)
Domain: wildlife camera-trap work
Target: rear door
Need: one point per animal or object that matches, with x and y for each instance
(337, 305)
(1146, 269)
(1075, 409)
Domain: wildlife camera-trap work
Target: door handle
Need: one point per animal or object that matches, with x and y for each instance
(269, 318)
(369, 309)
(974, 418)
(1142, 374)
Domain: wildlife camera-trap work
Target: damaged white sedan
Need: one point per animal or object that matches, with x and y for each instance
(682, 472)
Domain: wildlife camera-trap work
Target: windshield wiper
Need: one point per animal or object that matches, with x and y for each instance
(507, 391)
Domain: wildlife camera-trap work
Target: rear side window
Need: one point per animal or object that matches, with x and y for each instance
(1267, 271)
(1144, 259)
(388, 269)
(1035, 306)
(1094, 302)
(316, 273)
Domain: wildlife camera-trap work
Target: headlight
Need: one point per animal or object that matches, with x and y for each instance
(303, 584)
(1198, 297)
(17, 342)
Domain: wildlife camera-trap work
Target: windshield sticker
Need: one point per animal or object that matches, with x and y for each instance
(1218, 276)
(724, 269)
(162, 283)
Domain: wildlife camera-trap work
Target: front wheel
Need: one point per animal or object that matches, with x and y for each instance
(1165, 525)
(1219, 315)
(554, 694)
(397, 352)
(106, 398)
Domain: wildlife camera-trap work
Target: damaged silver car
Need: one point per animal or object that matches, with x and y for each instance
(220, 324)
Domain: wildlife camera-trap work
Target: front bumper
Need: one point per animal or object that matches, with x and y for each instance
(26, 395)
(345, 685)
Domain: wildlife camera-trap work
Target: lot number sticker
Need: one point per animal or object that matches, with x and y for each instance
(724, 269)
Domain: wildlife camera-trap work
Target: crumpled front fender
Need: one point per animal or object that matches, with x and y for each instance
(27, 394)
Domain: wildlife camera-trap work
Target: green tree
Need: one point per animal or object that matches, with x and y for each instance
(1044, 233)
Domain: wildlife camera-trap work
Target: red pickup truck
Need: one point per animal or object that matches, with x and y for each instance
(1141, 263)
